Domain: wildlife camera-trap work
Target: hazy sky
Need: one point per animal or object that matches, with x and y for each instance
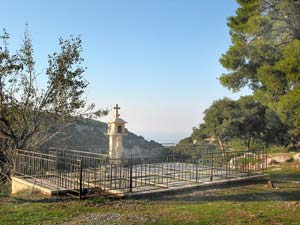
(159, 59)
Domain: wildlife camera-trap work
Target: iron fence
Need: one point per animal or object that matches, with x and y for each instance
(84, 172)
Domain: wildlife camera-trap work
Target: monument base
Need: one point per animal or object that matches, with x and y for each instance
(21, 185)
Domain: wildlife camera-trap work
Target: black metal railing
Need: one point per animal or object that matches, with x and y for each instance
(83, 172)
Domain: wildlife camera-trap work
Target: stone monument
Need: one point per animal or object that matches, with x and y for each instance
(116, 131)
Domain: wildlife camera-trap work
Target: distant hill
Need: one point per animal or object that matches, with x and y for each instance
(90, 135)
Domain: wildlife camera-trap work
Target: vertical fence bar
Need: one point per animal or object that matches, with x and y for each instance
(266, 161)
(226, 165)
(212, 166)
(130, 176)
(197, 168)
(80, 179)
(248, 161)
(78, 170)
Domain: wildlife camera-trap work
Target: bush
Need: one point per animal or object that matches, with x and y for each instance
(237, 144)
(5, 188)
(277, 149)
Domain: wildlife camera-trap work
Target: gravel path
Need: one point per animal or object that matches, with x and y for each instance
(108, 218)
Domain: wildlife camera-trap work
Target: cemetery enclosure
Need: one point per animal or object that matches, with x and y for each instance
(81, 173)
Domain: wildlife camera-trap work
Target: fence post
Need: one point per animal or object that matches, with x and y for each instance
(248, 161)
(197, 167)
(266, 160)
(56, 155)
(212, 166)
(226, 165)
(80, 179)
(130, 176)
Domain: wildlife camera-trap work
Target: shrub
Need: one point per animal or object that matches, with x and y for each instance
(5, 188)
(277, 149)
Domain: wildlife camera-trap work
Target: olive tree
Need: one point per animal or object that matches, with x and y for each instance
(31, 115)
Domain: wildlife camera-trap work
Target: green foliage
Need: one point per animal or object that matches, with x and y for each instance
(276, 132)
(288, 106)
(29, 115)
(200, 133)
(25, 110)
(240, 124)
(236, 144)
(250, 120)
(265, 56)
(5, 188)
(186, 141)
(227, 119)
(219, 120)
(277, 149)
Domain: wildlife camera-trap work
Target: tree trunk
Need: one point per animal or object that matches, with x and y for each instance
(221, 144)
(249, 143)
(293, 143)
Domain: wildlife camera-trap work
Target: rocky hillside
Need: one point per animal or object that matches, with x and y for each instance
(90, 135)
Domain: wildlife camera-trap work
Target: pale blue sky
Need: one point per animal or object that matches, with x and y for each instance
(159, 59)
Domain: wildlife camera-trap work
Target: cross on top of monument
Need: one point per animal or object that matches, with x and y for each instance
(117, 110)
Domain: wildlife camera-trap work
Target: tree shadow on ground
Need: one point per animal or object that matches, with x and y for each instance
(231, 192)
(33, 199)
(263, 196)
(286, 177)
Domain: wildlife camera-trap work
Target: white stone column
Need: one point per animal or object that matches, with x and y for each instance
(116, 131)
